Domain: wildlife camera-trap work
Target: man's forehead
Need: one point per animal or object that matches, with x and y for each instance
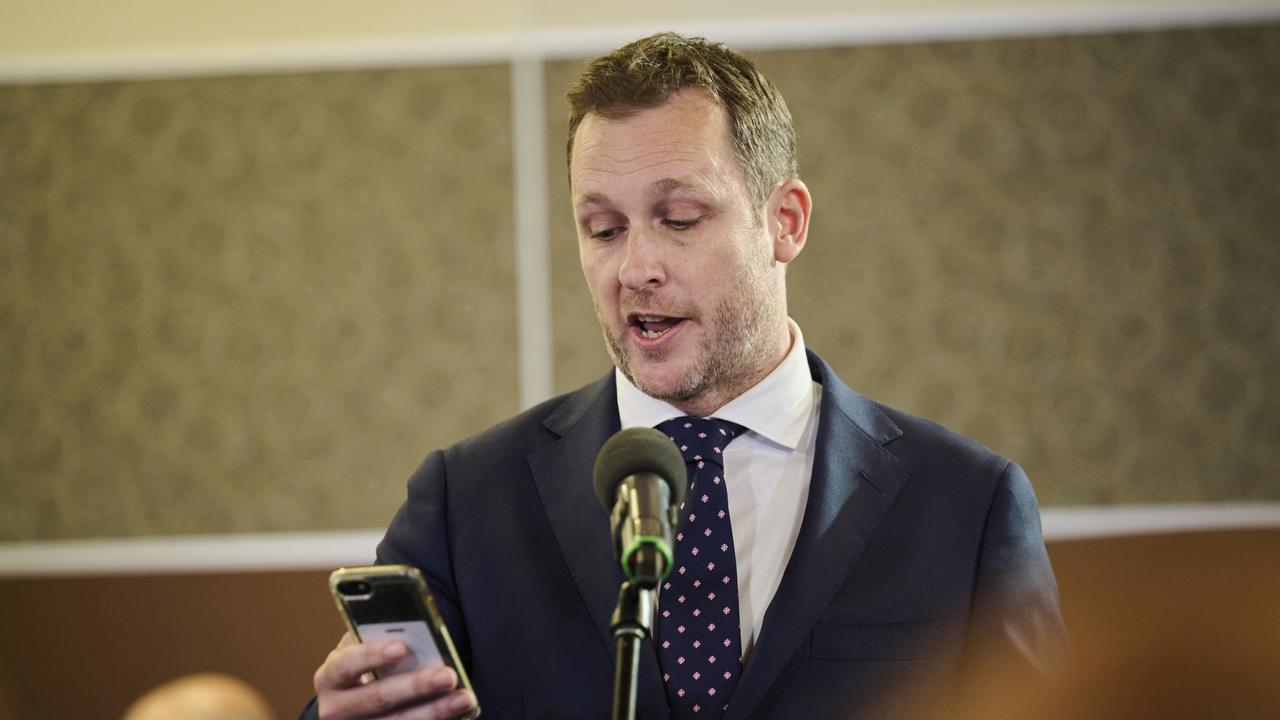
(687, 99)
(686, 117)
(666, 187)
(680, 147)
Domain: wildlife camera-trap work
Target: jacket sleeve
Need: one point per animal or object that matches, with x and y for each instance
(420, 535)
(1015, 624)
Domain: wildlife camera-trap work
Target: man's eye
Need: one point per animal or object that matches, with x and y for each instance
(676, 224)
(608, 234)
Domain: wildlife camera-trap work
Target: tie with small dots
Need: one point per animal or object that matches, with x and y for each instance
(699, 640)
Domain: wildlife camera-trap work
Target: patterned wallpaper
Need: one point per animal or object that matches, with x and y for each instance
(253, 304)
(247, 304)
(1066, 248)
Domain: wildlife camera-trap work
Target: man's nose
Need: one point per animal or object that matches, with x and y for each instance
(642, 265)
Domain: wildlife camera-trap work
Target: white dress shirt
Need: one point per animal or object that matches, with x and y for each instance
(767, 470)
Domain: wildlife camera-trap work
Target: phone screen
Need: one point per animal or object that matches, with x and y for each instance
(415, 634)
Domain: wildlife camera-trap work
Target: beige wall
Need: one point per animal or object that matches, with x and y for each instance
(254, 303)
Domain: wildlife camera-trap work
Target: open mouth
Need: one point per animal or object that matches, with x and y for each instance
(653, 327)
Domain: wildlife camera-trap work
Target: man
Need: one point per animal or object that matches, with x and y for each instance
(867, 558)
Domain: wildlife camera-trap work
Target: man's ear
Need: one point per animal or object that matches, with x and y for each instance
(788, 216)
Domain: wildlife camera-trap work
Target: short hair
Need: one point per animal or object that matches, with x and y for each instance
(645, 73)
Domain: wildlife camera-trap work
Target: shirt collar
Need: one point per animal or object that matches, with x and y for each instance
(777, 408)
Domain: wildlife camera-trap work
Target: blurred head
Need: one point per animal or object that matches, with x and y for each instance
(687, 216)
(201, 697)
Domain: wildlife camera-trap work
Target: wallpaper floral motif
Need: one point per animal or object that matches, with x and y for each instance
(254, 303)
(247, 304)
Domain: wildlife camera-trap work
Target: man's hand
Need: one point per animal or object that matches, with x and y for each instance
(346, 689)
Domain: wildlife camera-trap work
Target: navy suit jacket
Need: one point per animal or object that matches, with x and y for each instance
(918, 550)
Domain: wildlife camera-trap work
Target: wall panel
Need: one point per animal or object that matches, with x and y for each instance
(244, 304)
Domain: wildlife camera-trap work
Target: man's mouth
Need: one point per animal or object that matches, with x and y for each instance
(652, 327)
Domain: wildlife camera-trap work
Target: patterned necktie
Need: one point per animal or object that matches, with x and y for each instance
(699, 640)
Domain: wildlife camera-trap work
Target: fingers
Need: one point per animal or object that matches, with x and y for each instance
(425, 694)
(448, 707)
(350, 660)
(429, 693)
(347, 640)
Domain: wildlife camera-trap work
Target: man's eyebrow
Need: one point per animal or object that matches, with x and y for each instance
(590, 198)
(668, 186)
(664, 187)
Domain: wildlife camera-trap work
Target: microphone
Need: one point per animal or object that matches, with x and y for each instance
(640, 478)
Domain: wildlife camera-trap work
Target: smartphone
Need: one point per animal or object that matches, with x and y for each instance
(386, 602)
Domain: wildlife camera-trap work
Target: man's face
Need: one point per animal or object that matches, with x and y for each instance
(680, 264)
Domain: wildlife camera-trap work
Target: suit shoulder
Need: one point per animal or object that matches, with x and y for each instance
(518, 430)
(926, 444)
(533, 427)
(916, 441)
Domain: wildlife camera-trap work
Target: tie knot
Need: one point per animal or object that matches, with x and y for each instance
(701, 439)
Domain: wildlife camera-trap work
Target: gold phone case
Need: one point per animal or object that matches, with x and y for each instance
(423, 606)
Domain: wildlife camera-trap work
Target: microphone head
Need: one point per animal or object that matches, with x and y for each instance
(639, 450)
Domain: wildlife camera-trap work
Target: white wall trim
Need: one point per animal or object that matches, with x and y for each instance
(325, 550)
(555, 43)
(533, 252)
(194, 553)
(1078, 523)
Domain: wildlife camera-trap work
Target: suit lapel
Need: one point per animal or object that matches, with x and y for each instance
(854, 483)
(562, 473)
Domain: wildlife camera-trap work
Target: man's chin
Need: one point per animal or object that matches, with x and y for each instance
(663, 373)
(665, 382)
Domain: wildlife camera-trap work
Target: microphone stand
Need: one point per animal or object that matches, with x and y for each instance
(632, 619)
(640, 478)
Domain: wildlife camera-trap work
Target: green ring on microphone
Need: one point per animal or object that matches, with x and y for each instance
(651, 540)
